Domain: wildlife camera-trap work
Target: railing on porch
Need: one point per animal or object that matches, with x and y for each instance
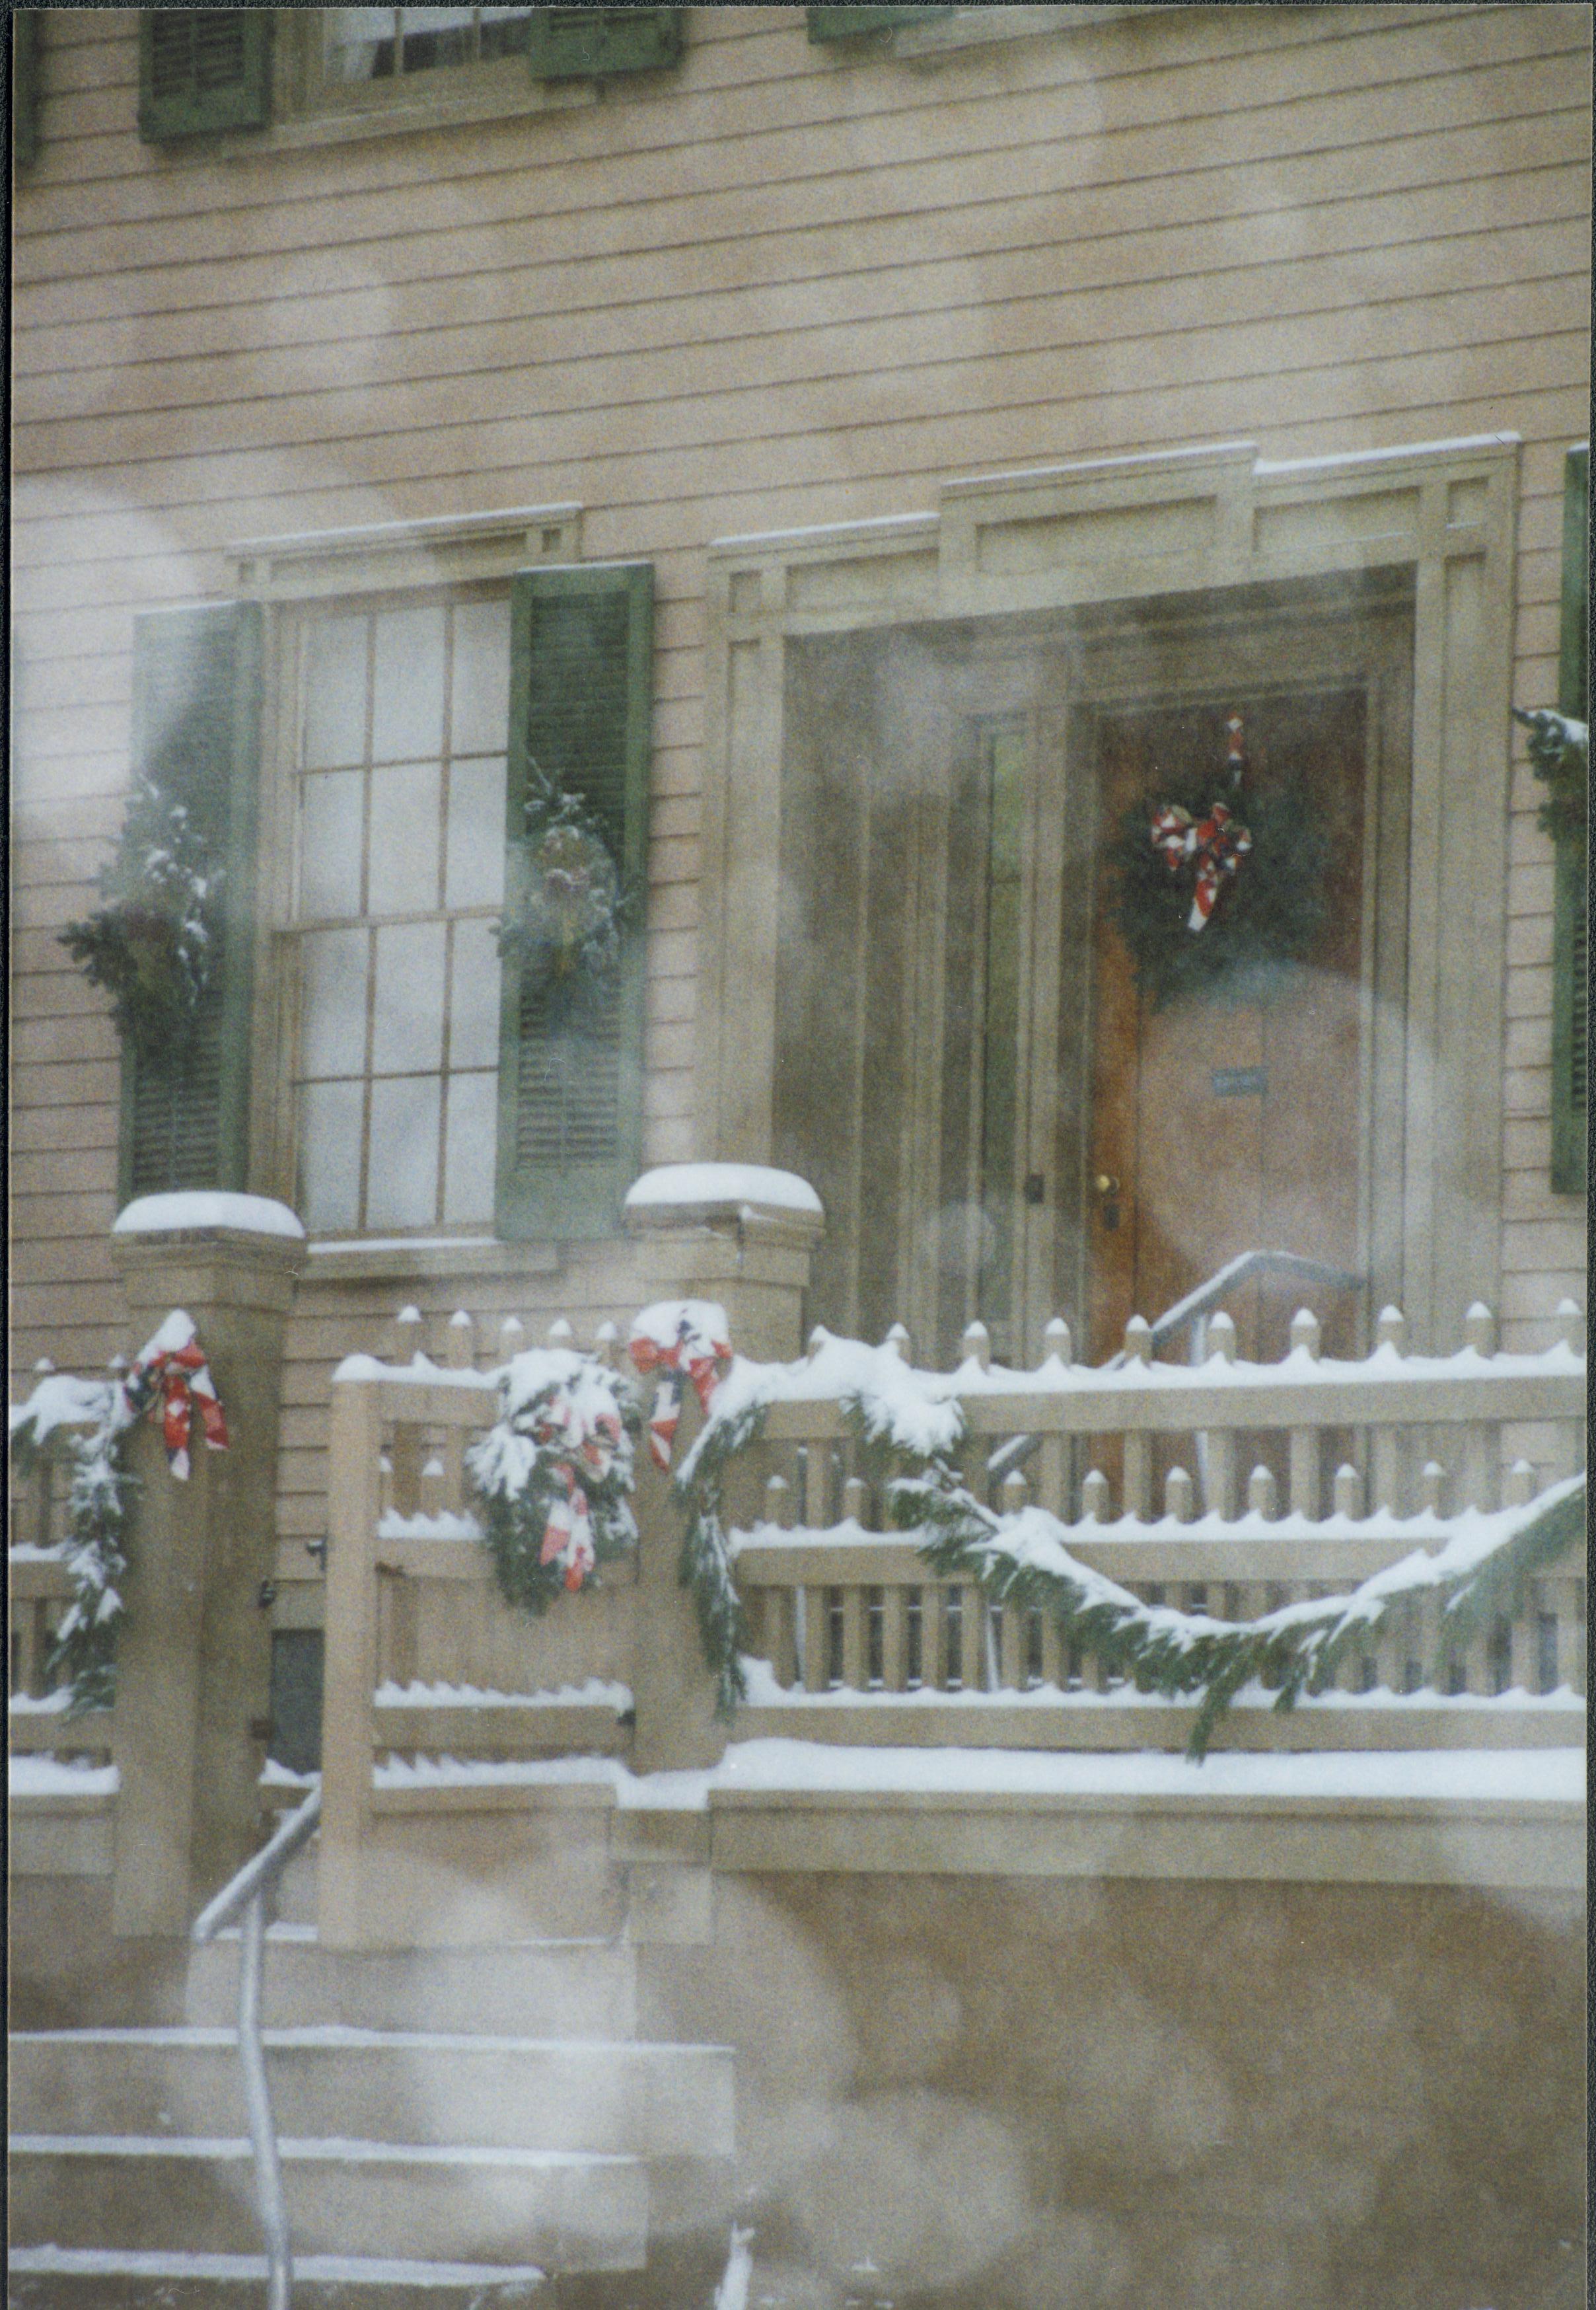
(40, 1591)
(1229, 1488)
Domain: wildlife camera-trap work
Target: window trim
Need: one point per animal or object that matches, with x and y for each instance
(287, 576)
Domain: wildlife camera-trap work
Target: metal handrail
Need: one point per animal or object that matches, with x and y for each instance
(1241, 1270)
(1016, 1450)
(243, 1900)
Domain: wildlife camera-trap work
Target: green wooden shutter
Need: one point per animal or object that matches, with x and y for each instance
(827, 23)
(570, 1095)
(1571, 918)
(587, 43)
(24, 87)
(202, 70)
(196, 707)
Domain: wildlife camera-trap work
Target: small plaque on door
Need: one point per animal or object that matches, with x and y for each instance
(1238, 1082)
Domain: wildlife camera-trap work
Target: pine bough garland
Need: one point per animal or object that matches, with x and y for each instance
(554, 1474)
(1020, 1560)
(170, 1380)
(1559, 752)
(153, 946)
(564, 927)
(681, 1343)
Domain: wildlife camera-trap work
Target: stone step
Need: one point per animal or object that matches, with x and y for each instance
(419, 2202)
(583, 1988)
(388, 2086)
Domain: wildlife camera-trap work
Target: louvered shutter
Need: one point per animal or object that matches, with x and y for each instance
(570, 1092)
(196, 705)
(851, 24)
(24, 87)
(1571, 919)
(202, 70)
(587, 43)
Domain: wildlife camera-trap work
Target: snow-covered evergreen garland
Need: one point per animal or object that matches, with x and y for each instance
(168, 1379)
(1022, 1559)
(153, 946)
(682, 1342)
(1559, 752)
(554, 1474)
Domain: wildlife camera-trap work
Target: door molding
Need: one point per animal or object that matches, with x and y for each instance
(1149, 530)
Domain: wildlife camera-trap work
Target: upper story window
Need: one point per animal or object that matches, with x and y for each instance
(293, 75)
(367, 44)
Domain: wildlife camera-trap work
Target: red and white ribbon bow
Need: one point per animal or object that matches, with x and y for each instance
(1216, 844)
(681, 1340)
(169, 1379)
(591, 1438)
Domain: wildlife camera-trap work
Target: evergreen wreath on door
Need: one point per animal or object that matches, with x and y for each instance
(1220, 883)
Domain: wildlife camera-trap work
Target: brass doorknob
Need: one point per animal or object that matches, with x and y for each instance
(1106, 1183)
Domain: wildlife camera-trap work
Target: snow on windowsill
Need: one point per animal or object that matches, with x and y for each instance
(206, 1207)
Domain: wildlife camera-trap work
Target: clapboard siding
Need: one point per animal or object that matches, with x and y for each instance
(1092, 84)
(782, 285)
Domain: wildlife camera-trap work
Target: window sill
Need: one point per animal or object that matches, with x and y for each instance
(985, 27)
(311, 131)
(402, 1258)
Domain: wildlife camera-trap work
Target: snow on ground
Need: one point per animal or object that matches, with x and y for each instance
(823, 1768)
(311, 2269)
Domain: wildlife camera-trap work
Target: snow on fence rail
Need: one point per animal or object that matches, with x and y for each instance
(1226, 1488)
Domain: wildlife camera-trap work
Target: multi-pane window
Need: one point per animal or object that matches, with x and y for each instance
(371, 44)
(401, 797)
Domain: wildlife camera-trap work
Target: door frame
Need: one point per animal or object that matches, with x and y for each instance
(1145, 531)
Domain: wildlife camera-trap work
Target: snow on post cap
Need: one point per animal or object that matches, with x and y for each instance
(200, 1208)
(723, 1183)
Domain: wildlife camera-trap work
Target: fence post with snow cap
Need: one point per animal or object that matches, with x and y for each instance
(194, 1661)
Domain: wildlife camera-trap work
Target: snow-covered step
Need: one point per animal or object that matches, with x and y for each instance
(419, 2087)
(535, 1988)
(83, 2274)
(423, 2202)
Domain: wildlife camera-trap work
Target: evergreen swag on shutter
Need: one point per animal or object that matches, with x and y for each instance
(1571, 902)
(570, 1085)
(203, 70)
(196, 704)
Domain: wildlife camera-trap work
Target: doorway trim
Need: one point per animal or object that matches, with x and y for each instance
(1129, 530)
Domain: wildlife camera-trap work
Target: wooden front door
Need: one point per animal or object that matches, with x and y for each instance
(1221, 1125)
